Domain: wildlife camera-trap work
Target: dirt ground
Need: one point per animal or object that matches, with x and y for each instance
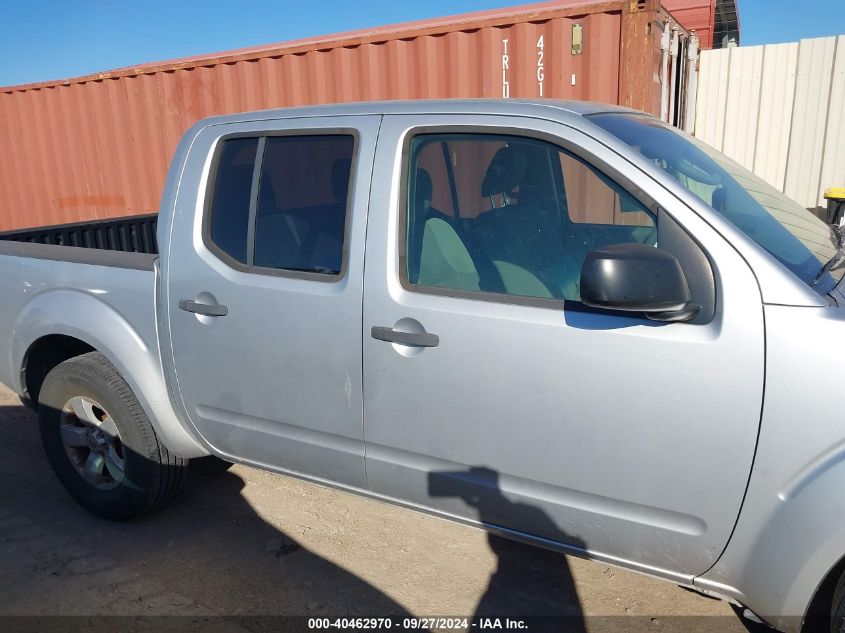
(246, 542)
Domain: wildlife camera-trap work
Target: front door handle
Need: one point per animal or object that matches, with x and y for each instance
(411, 339)
(205, 309)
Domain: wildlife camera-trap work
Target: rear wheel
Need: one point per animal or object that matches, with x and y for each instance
(837, 609)
(101, 443)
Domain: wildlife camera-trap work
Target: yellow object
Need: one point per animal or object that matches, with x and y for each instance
(835, 193)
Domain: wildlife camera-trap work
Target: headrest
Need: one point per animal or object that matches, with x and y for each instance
(423, 190)
(505, 172)
(340, 178)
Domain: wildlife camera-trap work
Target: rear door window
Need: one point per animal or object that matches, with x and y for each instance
(230, 198)
(302, 203)
(281, 202)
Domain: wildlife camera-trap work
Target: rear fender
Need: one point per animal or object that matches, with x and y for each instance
(135, 353)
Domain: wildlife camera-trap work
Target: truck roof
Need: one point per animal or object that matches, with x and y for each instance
(526, 107)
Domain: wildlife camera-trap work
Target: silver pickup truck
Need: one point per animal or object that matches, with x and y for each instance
(566, 323)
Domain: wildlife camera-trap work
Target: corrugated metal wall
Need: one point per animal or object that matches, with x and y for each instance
(98, 146)
(779, 110)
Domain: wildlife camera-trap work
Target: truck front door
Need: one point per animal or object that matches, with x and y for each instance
(493, 394)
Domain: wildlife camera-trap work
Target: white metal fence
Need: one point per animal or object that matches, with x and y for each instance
(779, 110)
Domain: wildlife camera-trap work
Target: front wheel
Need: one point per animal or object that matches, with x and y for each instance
(100, 442)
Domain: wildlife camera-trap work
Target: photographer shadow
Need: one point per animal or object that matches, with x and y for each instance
(529, 582)
(210, 560)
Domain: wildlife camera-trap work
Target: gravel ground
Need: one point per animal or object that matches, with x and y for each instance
(246, 542)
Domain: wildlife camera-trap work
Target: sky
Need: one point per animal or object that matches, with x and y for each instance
(54, 39)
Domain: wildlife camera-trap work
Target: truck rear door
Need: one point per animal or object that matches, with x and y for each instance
(264, 288)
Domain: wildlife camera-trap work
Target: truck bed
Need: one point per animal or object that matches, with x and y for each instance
(134, 234)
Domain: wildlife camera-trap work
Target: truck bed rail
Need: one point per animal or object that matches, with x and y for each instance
(134, 234)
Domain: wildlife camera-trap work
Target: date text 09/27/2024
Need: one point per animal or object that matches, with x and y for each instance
(491, 623)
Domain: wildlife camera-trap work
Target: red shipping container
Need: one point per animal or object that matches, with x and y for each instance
(715, 22)
(98, 146)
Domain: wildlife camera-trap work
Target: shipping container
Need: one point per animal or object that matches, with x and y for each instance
(715, 22)
(98, 146)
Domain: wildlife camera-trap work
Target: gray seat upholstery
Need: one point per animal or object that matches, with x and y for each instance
(517, 236)
(418, 215)
(445, 261)
(279, 236)
(309, 238)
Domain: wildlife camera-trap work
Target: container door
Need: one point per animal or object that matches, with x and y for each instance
(493, 395)
(264, 292)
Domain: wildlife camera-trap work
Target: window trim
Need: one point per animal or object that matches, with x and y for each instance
(498, 297)
(262, 136)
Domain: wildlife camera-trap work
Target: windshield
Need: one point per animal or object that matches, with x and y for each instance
(792, 234)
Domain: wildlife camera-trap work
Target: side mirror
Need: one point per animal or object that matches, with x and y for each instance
(637, 278)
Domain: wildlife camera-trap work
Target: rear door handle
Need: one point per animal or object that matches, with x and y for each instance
(205, 309)
(404, 338)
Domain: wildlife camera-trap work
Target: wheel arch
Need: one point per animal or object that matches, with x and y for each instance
(817, 617)
(61, 324)
(41, 357)
(782, 565)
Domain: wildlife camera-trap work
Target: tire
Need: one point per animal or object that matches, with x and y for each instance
(100, 442)
(837, 607)
(210, 465)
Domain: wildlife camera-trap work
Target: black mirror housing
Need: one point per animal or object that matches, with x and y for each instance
(636, 278)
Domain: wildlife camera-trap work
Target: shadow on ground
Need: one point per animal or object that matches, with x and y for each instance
(208, 553)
